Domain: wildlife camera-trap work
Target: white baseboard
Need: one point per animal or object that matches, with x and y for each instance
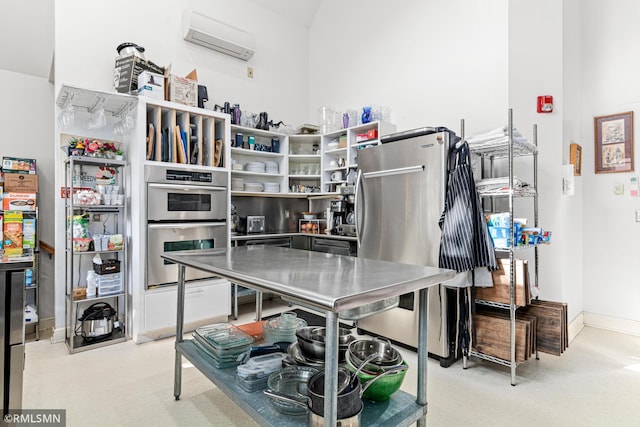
(58, 335)
(575, 326)
(625, 326)
(170, 331)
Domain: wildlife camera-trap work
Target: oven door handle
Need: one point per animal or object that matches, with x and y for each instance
(186, 188)
(165, 225)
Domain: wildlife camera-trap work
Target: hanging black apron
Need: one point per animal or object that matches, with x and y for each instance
(465, 243)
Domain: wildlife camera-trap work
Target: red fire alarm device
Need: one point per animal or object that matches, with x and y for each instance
(545, 104)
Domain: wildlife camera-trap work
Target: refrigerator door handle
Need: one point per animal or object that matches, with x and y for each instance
(397, 171)
(358, 208)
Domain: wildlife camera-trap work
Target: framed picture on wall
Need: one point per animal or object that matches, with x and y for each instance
(575, 158)
(614, 143)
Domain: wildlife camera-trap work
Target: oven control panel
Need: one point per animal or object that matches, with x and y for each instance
(190, 176)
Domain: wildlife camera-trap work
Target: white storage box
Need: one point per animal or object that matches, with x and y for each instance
(151, 85)
(109, 284)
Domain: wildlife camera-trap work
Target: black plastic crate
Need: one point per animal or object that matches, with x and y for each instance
(108, 266)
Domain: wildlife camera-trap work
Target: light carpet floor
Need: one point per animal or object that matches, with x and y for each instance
(596, 382)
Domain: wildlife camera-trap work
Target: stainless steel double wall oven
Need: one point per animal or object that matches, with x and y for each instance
(186, 210)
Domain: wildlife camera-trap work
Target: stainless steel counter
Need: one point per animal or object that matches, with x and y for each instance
(331, 283)
(310, 278)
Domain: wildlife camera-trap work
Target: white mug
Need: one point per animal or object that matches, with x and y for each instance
(336, 176)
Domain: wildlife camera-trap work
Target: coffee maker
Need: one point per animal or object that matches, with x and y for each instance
(343, 210)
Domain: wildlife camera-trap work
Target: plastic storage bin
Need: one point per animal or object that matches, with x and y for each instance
(109, 284)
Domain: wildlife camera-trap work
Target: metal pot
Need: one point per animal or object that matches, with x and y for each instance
(350, 403)
(349, 400)
(387, 356)
(314, 419)
(291, 381)
(312, 342)
(128, 48)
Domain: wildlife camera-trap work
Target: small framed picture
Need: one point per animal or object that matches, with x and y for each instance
(575, 158)
(614, 143)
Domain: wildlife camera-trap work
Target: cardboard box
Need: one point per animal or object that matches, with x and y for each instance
(16, 164)
(29, 233)
(12, 233)
(183, 90)
(151, 85)
(127, 70)
(19, 202)
(20, 183)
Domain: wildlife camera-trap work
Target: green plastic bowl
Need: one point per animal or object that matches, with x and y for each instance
(382, 388)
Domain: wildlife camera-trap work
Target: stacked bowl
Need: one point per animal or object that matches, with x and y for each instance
(282, 328)
(372, 359)
(311, 341)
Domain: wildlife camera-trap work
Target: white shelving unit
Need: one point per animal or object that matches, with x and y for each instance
(305, 163)
(345, 156)
(508, 151)
(262, 151)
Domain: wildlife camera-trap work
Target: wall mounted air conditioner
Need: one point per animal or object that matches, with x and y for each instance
(213, 34)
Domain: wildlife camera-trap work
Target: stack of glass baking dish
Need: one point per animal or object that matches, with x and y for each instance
(222, 342)
(254, 374)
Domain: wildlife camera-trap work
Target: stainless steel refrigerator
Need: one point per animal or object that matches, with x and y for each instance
(12, 333)
(399, 198)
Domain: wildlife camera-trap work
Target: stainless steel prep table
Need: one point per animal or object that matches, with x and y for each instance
(330, 283)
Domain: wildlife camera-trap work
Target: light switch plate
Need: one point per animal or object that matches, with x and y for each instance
(618, 189)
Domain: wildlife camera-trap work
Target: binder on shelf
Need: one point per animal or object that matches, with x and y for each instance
(164, 149)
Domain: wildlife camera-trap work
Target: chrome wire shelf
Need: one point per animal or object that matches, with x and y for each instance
(492, 304)
(500, 151)
(480, 355)
(524, 192)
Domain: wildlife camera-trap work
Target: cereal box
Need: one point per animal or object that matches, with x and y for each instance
(29, 233)
(12, 233)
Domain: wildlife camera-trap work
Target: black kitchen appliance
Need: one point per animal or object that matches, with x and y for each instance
(97, 322)
(12, 356)
(343, 209)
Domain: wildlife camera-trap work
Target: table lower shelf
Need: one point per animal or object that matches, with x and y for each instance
(400, 410)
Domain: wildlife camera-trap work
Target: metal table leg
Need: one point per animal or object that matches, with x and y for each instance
(258, 306)
(177, 376)
(421, 396)
(235, 301)
(331, 370)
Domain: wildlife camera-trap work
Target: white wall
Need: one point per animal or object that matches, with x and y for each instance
(86, 58)
(434, 63)
(610, 36)
(537, 67)
(26, 110)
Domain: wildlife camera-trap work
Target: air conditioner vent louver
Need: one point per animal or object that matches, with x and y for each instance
(217, 35)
